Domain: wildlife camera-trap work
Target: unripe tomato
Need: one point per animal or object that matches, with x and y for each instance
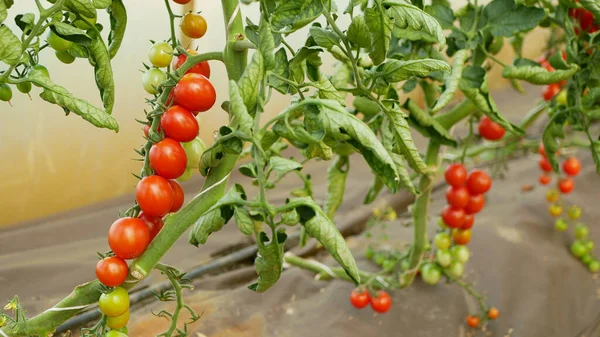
(561, 98)
(128, 237)
(431, 273)
(442, 240)
(112, 271)
(589, 245)
(545, 164)
(178, 197)
(152, 78)
(587, 259)
(555, 210)
(478, 182)
(443, 257)
(469, 221)
(56, 42)
(578, 249)
(551, 91)
(154, 223)
(581, 231)
(119, 321)
(382, 302)
(193, 151)
(472, 321)
(5, 93)
(179, 124)
(476, 204)
(457, 197)
(493, 313)
(572, 166)
(39, 70)
(168, 158)
(24, 87)
(64, 57)
(456, 269)
(193, 25)
(561, 225)
(441, 223)
(202, 68)
(453, 217)
(545, 179)
(115, 333)
(359, 298)
(160, 54)
(489, 129)
(187, 175)
(115, 303)
(154, 195)
(594, 266)
(552, 195)
(195, 93)
(460, 253)
(574, 212)
(461, 236)
(456, 175)
(566, 185)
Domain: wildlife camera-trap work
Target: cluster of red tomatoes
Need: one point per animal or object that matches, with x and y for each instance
(585, 19)
(554, 88)
(381, 303)
(570, 166)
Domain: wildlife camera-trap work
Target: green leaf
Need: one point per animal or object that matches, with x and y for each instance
(506, 18)
(297, 65)
(366, 106)
(405, 142)
(3, 11)
(358, 32)
(354, 3)
(283, 165)
(452, 80)
(539, 75)
(248, 169)
(71, 33)
(296, 14)
(10, 46)
(83, 7)
(326, 90)
(396, 71)
(405, 180)
(412, 23)
(210, 158)
(553, 130)
(239, 114)
(102, 70)
(281, 69)
(118, 25)
(243, 220)
(324, 37)
(427, 125)
(374, 189)
(269, 262)
(442, 13)
(102, 4)
(250, 82)
(336, 185)
(380, 28)
(25, 21)
(58, 95)
(266, 44)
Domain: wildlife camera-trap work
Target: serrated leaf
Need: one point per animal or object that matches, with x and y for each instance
(83, 7)
(297, 65)
(380, 29)
(283, 165)
(296, 13)
(326, 90)
(71, 33)
(506, 18)
(266, 44)
(324, 38)
(427, 125)
(442, 13)
(102, 4)
(281, 69)
(118, 25)
(239, 114)
(250, 82)
(452, 80)
(103, 70)
(336, 185)
(243, 220)
(410, 22)
(405, 142)
(25, 21)
(358, 32)
(354, 3)
(269, 261)
(396, 71)
(539, 75)
(10, 46)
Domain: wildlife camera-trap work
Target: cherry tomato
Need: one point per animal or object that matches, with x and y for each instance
(5, 92)
(38, 68)
(469, 221)
(545, 179)
(574, 212)
(555, 210)
(541, 149)
(152, 78)
(146, 129)
(456, 269)
(566, 185)
(442, 240)
(551, 91)
(118, 322)
(128, 237)
(154, 223)
(64, 57)
(581, 231)
(56, 42)
(561, 98)
(489, 129)
(453, 217)
(443, 257)
(586, 19)
(552, 195)
(382, 302)
(457, 197)
(476, 204)
(472, 321)
(578, 249)
(594, 266)
(187, 175)
(431, 273)
(179, 124)
(460, 253)
(478, 182)
(572, 166)
(561, 225)
(456, 175)
(115, 333)
(115, 303)
(195, 93)
(24, 87)
(112, 271)
(545, 164)
(193, 25)
(182, 2)
(178, 196)
(168, 158)
(154, 195)
(359, 298)
(461, 236)
(193, 151)
(160, 54)
(202, 68)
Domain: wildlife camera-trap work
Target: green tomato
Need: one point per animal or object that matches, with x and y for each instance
(587, 258)
(24, 87)
(443, 257)
(442, 224)
(561, 98)
(115, 303)
(581, 231)
(496, 45)
(379, 258)
(578, 249)
(5, 93)
(84, 25)
(123, 330)
(194, 150)
(456, 269)
(369, 252)
(118, 322)
(115, 333)
(388, 264)
(64, 57)
(187, 175)
(594, 266)
(574, 212)
(160, 54)
(460, 253)
(56, 42)
(589, 246)
(404, 265)
(152, 78)
(431, 273)
(41, 69)
(561, 225)
(442, 241)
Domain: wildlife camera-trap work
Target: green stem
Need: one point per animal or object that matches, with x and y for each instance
(179, 299)
(172, 24)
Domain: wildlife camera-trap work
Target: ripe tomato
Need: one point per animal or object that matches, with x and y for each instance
(457, 197)
(476, 204)
(555, 210)
(461, 236)
(566, 185)
(489, 129)
(442, 240)
(178, 196)
(469, 221)
(202, 68)
(382, 302)
(195, 93)
(586, 19)
(56, 42)
(478, 182)
(115, 303)
(193, 25)
(572, 166)
(551, 91)
(541, 149)
(456, 175)
(545, 179)
(552, 195)
(359, 298)
(431, 273)
(112, 271)
(182, 2)
(154, 223)
(545, 164)
(193, 151)
(154, 195)
(119, 321)
(453, 217)
(160, 54)
(168, 158)
(179, 124)
(115, 333)
(472, 321)
(152, 78)
(128, 237)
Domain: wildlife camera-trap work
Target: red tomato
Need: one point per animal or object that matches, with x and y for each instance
(489, 129)
(182, 2)
(154, 223)
(195, 93)
(545, 179)
(469, 221)
(472, 321)
(128, 237)
(564, 55)
(453, 217)
(586, 19)
(456, 175)
(476, 204)
(545, 164)
(461, 236)
(541, 149)
(566, 185)
(457, 197)
(493, 313)
(202, 68)
(112, 271)
(154, 195)
(572, 166)
(551, 91)
(179, 124)
(575, 12)
(177, 195)
(382, 302)
(168, 158)
(359, 298)
(478, 182)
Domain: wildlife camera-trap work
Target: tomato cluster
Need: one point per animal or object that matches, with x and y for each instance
(585, 19)
(554, 89)
(381, 303)
(571, 167)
